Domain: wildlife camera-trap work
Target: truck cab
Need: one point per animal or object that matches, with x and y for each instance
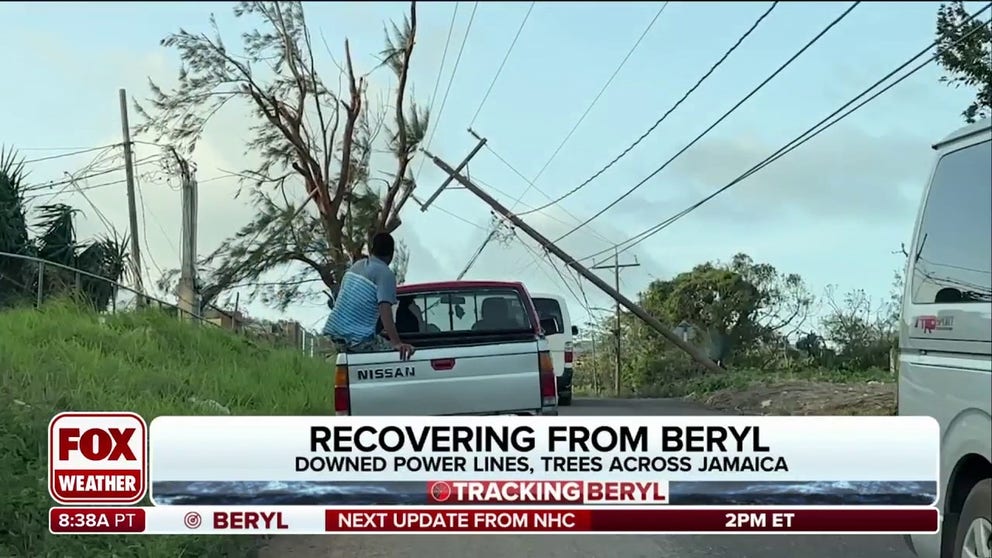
(562, 343)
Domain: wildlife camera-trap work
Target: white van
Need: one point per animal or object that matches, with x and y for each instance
(553, 306)
(945, 341)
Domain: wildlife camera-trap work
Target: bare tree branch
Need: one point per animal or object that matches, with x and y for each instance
(295, 134)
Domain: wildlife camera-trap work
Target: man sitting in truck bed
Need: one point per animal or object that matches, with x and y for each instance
(367, 295)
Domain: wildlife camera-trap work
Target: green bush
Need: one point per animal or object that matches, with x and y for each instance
(63, 358)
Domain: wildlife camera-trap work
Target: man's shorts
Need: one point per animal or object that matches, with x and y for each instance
(375, 344)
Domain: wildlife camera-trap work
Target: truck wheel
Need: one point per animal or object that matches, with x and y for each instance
(565, 400)
(974, 533)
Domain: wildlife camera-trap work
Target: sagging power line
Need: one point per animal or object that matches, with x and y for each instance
(658, 122)
(804, 137)
(451, 80)
(602, 90)
(501, 65)
(732, 109)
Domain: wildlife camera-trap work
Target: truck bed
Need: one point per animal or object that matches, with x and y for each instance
(478, 374)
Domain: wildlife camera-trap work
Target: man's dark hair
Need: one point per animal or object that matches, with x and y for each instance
(383, 245)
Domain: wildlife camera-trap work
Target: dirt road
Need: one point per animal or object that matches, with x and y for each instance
(592, 546)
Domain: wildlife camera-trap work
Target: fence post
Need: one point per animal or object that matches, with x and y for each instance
(41, 282)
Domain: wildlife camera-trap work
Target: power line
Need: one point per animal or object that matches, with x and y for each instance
(754, 91)
(658, 122)
(531, 184)
(99, 158)
(538, 258)
(451, 80)
(602, 90)
(444, 56)
(459, 217)
(77, 148)
(524, 205)
(80, 189)
(103, 218)
(68, 181)
(806, 136)
(503, 63)
(144, 233)
(72, 154)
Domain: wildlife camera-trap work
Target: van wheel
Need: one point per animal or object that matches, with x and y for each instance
(974, 533)
(565, 400)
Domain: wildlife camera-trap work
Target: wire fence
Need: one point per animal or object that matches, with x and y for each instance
(29, 280)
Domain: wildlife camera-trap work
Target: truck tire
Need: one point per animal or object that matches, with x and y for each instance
(977, 510)
(565, 400)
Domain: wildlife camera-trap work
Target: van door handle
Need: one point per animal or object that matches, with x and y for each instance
(443, 363)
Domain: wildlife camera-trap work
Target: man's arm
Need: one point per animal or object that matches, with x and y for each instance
(388, 325)
(386, 296)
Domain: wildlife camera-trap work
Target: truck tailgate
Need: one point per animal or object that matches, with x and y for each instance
(475, 379)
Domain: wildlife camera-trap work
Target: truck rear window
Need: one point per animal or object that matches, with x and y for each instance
(548, 308)
(462, 311)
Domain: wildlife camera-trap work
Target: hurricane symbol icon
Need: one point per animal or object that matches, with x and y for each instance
(440, 491)
(192, 520)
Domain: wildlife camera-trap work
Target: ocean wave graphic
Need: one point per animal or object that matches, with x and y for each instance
(809, 493)
(715, 493)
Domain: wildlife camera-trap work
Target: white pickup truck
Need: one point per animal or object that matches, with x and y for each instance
(480, 350)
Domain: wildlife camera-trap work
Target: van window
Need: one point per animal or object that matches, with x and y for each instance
(549, 308)
(461, 311)
(954, 248)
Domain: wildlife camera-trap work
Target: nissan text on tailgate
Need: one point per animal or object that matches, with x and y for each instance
(480, 350)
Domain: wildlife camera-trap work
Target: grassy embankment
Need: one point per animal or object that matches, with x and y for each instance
(64, 359)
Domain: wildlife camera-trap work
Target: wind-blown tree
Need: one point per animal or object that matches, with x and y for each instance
(968, 62)
(735, 306)
(106, 257)
(312, 142)
(13, 228)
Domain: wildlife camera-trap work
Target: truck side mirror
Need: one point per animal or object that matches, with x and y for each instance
(575, 330)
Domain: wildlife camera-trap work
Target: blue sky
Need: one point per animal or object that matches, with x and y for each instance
(834, 210)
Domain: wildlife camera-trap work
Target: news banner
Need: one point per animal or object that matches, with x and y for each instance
(580, 475)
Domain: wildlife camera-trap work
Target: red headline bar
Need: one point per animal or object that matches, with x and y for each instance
(656, 520)
(96, 520)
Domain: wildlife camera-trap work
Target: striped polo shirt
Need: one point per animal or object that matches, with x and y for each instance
(366, 284)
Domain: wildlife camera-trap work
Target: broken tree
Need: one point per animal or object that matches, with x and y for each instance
(310, 142)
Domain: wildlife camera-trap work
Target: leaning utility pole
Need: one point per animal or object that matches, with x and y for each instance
(188, 304)
(616, 266)
(458, 169)
(132, 207)
(581, 269)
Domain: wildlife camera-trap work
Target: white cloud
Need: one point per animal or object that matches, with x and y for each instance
(843, 174)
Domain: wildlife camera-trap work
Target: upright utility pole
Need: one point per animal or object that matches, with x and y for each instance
(581, 269)
(188, 304)
(616, 266)
(132, 206)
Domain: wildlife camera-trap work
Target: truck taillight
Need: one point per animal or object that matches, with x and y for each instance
(568, 352)
(342, 397)
(549, 385)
